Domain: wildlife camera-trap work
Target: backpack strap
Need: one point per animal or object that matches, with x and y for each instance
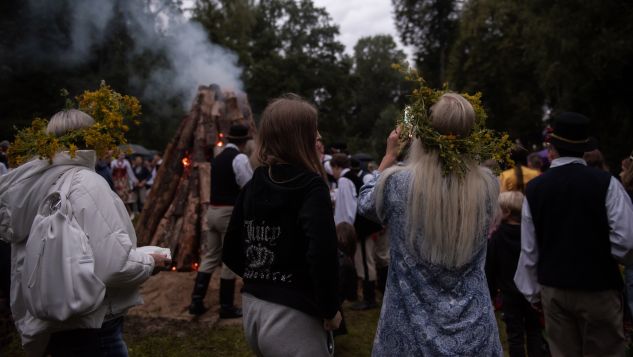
(64, 181)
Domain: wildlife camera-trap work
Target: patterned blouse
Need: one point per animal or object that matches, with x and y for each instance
(428, 310)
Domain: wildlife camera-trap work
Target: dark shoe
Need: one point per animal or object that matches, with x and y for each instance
(369, 297)
(199, 291)
(230, 312)
(197, 308)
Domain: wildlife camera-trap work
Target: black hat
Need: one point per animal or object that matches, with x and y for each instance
(571, 132)
(238, 132)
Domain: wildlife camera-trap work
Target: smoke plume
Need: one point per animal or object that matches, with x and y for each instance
(156, 28)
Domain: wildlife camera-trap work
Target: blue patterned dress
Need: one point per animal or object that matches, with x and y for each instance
(429, 310)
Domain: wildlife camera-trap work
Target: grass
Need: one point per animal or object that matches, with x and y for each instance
(159, 337)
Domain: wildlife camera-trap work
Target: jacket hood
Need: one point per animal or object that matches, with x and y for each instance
(286, 177)
(23, 189)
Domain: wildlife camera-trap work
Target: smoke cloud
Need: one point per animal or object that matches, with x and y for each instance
(185, 56)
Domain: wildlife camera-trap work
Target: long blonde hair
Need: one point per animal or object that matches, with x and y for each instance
(447, 215)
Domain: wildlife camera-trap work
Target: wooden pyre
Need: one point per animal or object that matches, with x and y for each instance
(173, 214)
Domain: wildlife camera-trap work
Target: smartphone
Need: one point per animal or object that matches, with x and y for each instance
(330, 342)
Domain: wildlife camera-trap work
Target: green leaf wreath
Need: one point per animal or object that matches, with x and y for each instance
(454, 151)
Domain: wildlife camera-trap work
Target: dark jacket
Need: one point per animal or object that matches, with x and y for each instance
(504, 248)
(282, 240)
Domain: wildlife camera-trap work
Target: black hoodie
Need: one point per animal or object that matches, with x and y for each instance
(282, 240)
(504, 248)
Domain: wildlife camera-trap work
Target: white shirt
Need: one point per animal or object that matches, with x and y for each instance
(3, 169)
(346, 202)
(241, 167)
(619, 214)
(123, 163)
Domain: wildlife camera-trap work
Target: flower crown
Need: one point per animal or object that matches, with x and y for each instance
(454, 151)
(110, 110)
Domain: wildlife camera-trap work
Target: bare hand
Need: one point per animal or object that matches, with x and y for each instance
(333, 323)
(393, 149)
(161, 262)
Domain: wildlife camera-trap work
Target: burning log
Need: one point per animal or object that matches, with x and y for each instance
(174, 212)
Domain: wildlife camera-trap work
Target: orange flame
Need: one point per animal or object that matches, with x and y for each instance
(219, 144)
(186, 162)
(173, 268)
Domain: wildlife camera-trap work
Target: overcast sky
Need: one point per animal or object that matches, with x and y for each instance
(359, 18)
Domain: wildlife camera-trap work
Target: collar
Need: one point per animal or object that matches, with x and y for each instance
(566, 160)
(231, 145)
(345, 171)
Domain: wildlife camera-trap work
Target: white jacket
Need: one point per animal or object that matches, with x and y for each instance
(102, 215)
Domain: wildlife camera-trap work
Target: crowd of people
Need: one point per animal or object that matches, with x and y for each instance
(308, 228)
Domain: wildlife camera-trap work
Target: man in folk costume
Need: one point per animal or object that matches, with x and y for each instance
(230, 171)
(577, 224)
(349, 184)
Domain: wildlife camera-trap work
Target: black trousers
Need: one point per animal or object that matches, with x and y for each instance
(522, 327)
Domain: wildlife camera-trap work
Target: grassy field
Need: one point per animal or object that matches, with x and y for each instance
(150, 337)
(147, 337)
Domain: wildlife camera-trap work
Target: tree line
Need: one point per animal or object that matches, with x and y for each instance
(523, 56)
(528, 57)
(281, 46)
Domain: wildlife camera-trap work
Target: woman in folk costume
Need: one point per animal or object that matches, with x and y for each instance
(438, 207)
(124, 179)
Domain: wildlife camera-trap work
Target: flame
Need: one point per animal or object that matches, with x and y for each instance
(219, 144)
(195, 266)
(221, 135)
(173, 268)
(186, 162)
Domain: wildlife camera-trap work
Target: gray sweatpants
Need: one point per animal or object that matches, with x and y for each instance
(274, 330)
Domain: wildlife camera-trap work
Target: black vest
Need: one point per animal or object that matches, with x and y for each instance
(567, 204)
(224, 188)
(363, 226)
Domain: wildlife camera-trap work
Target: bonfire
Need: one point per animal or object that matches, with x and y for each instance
(173, 215)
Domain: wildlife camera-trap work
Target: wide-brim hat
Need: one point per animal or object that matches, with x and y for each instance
(238, 132)
(571, 132)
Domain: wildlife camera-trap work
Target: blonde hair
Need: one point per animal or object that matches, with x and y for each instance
(447, 215)
(511, 201)
(288, 133)
(68, 120)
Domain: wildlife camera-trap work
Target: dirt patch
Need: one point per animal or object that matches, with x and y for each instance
(168, 294)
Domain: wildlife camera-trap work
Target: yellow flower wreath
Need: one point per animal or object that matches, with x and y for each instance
(111, 111)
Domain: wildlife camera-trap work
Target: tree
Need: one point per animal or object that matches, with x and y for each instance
(430, 26)
(491, 56)
(290, 46)
(378, 91)
(229, 23)
(583, 61)
(564, 55)
(44, 51)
